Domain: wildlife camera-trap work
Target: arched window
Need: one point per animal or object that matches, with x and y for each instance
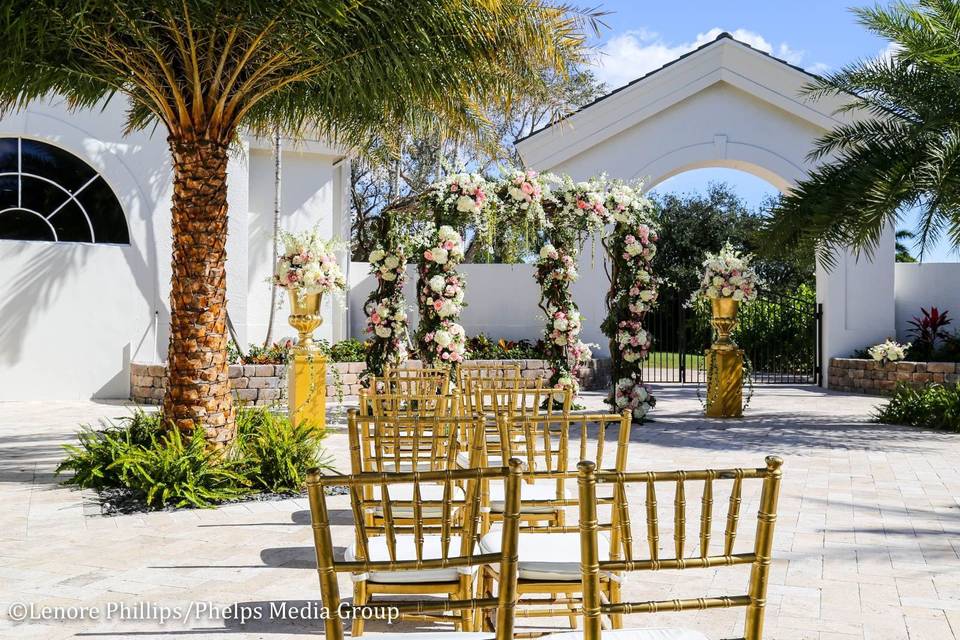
(49, 194)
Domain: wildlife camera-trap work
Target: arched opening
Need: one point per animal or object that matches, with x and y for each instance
(699, 210)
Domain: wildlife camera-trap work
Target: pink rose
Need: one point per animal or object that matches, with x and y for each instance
(375, 318)
(527, 188)
(437, 304)
(428, 254)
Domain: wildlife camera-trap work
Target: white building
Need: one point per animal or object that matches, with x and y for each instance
(75, 313)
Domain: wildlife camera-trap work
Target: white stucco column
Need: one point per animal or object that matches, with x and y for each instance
(341, 230)
(858, 301)
(238, 208)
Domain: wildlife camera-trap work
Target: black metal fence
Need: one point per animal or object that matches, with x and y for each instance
(779, 333)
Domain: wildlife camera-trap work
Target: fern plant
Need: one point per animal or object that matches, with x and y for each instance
(935, 407)
(92, 460)
(180, 470)
(277, 454)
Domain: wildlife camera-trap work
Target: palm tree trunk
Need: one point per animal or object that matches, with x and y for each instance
(198, 388)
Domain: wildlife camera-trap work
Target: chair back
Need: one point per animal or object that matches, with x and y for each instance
(550, 446)
(430, 442)
(492, 373)
(462, 555)
(622, 556)
(408, 405)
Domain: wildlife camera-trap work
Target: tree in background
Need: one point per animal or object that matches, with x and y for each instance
(907, 154)
(205, 70)
(903, 251)
(393, 169)
(692, 224)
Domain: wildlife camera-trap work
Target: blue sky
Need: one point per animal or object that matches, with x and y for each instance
(818, 35)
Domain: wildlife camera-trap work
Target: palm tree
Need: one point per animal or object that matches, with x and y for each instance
(902, 250)
(905, 154)
(207, 70)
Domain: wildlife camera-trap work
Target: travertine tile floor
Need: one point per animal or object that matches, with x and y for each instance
(866, 544)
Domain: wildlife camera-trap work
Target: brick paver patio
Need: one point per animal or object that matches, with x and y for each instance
(866, 546)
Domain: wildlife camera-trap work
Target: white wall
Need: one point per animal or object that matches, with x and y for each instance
(931, 284)
(73, 316)
(501, 300)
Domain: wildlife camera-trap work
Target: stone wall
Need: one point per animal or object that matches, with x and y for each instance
(872, 377)
(264, 384)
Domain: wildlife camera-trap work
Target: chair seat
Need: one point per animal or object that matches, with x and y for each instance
(407, 550)
(545, 490)
(547, 556)
(431, 635)
(633, 634)
(404, 493)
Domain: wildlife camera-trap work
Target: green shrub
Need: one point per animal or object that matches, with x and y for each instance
(935, 406)
(92, 460)
(180, 470)
(480, 347)
(348, 351)
(277, 454)
(167, 468)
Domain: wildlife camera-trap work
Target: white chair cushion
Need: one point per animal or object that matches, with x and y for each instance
(406, 550)
(404, 493)
(633, 634)
(545, 490)
(431, 635)
(547, 556)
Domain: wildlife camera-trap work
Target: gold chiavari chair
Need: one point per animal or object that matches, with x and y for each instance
(502, 374)
(396, 444)
(406, 405)
(400, 382)
(418, 559)
(549, 553)
(595, 565)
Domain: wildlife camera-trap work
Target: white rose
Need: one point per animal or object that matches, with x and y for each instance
(547, 251)
(712, 292)
(465, 203)
(560, 324)
(646, 295)
(727, 292)
(391, 262)
(738, 295)
(448, 308)
(376, 255)
(717, 281)
(437, 283)
(382, 331)
(388, 276)
(439, 255)
(634, 249)
(442, 338)
(517, 194)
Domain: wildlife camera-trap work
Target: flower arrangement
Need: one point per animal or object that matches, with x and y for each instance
(634, 396)
(520, 196)
(727, 274)
(308, 264)
(386, 316)
(440, 296)
(630, 249)
(460, 197)
(888, 351)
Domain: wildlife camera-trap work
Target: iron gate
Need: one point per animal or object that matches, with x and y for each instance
(779, 333)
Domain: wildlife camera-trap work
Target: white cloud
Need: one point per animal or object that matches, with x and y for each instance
(634, 53)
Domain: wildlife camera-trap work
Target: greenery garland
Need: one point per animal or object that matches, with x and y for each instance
(633, 292)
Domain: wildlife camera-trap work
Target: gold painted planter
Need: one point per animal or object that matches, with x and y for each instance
(307, 377)
(724, 363)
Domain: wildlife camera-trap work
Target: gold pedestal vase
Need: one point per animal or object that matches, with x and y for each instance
(307, 369)
(724, 363)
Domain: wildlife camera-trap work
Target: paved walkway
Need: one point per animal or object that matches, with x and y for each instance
(866, 546)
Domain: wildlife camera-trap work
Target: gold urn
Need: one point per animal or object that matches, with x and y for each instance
(724, 321)
(305, 316)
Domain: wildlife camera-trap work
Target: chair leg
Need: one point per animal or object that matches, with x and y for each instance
(465, 593)
(486, 590)
(616, 620)
(359, 599)
(572, 617)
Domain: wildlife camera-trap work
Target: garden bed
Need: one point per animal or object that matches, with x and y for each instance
(873, 377)
(266, 384)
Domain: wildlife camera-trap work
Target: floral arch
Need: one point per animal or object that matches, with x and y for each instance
(566, 214)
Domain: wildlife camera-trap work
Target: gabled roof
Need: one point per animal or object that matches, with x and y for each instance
(724, 59)
(723, 36)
